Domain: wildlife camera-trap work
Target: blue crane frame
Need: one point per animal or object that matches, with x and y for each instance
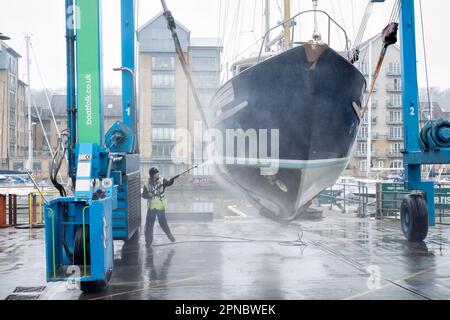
(413, 155)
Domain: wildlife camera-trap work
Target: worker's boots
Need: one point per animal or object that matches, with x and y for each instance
(171, 237)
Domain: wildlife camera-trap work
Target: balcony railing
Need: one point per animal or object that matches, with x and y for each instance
(394, 138)
(24, 153)
(171, 121)
(374, 121)
(395, 154)
(393, 88)
(393, 105)
(394, 121)
(161, 157)
(363, 154)
(365, 136)
(393, 73)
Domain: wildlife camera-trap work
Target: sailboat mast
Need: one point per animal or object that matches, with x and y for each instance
(267, 24)
(287, 26)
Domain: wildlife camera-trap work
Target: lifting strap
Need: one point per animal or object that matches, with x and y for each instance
(171, 25)
(389, 36)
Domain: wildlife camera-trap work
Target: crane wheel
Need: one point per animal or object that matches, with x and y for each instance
(414, 217)
(87, 287)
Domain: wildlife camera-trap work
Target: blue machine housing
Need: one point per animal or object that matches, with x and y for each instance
(98, 219)
(120, 138)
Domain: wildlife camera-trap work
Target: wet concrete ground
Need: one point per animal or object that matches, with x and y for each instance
(338, 257)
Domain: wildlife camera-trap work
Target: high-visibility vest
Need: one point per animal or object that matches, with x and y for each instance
(159, 201)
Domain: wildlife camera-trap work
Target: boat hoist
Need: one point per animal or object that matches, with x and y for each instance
(431, 144)
(105, 204)
(80, 226)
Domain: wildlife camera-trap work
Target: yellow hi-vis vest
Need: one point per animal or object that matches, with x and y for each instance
(159, 201)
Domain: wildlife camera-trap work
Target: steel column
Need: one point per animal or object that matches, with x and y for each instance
(128, 63)
(71, 100)
(413, 179)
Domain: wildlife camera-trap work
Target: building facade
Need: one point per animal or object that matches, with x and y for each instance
(13, 128)
(387, 113)
(170, 123)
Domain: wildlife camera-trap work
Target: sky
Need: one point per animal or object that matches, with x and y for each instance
(44, 20)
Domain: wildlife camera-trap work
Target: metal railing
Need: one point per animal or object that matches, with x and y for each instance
(390, 197)
(349, 198)
(385, 203)
(292, 21)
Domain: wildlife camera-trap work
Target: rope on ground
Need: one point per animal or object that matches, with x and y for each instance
(294, 243)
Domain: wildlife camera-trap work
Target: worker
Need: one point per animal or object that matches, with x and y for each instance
(154, 192)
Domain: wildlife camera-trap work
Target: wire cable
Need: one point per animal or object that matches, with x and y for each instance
(430, 108)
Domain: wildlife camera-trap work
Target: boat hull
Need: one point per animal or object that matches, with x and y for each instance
(312, 97)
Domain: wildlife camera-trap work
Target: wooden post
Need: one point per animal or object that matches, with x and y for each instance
(14, 222)
(10, 208)
(2, 210)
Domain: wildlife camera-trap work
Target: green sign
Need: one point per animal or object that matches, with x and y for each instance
(392, 194)
(89, 72)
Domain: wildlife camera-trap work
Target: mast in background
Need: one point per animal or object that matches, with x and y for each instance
(369, 117)
(267, 24)
(30, 129)
(287, 26)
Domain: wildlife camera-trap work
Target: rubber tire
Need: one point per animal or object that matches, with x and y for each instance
(414, 217)
(90, 287)
(78, 257)
(87, 287)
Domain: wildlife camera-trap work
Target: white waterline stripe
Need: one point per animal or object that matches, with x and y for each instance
(284, 163)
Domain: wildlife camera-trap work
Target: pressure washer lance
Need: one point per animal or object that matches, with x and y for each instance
(175, 178)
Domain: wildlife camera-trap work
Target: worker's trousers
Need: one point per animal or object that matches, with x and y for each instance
(150, 223)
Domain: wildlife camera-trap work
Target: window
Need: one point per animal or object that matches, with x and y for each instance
(364, 133)
(396, 132)
(396, 148)
(12, 99)
(18, 166)
(394, 68)
(397, 84)
(12, 81)
(397, 164)
(381, 164)
(12, 65)
(163, 63)
(366, 119)
(364, 68)
(162, 150)
(163, 98)
(163, 134)
(163, 80)
(207, 80)
(395, 116)
(396, 99)
(204, 64)
(166, 115)
(363, 166)
(362, 148)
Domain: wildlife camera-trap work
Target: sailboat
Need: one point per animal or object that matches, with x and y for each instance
(313, 96)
